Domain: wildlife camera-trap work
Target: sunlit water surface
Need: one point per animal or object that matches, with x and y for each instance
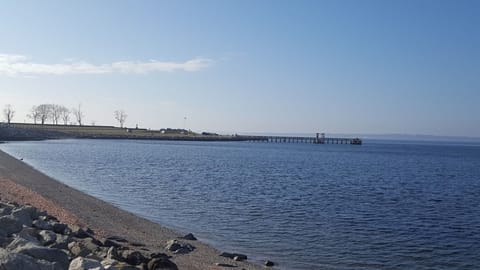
(375, 206)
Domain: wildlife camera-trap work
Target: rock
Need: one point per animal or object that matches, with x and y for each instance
(234, 256)
(46, 217)
(225, 265)
(25, 214)
(29, 233)
(61, 242)
(22, 216)
(269, 263)
(123, 266)
(133, 257)
(83, 247)
(115, 241)
(137, 244)
(47, 237)
(92, 243)
(178, 247)
(78, 249)
(101, 253)
(189, 237)
(161, 264)
(108, 263)
(110, 243)
(80, 232)
(44, 253)
(10, 225)
(42, 224)
(60, 228)
(112, 253)
(85, 264)
(3, 233)
(5, 209)
(3, 241)
(15, 261)
(239, 258)
(19, 242)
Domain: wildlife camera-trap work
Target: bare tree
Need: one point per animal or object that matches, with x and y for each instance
(121, 117)
(44, 112)
(8, 112)
(34, 114)
(55, 112)
(78, 113)
(64, 114)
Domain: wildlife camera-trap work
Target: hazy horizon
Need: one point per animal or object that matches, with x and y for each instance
(339, 67)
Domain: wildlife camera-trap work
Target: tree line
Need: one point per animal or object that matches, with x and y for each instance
(57, 114)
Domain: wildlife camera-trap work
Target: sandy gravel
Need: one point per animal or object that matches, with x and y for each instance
(23, 184)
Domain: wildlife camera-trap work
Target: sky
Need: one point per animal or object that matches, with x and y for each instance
(243, 66)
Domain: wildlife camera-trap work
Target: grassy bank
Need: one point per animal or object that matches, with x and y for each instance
(21, 131)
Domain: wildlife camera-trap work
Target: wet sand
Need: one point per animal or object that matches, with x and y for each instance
(23, 184)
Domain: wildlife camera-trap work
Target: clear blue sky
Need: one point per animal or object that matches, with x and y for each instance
(249, 66)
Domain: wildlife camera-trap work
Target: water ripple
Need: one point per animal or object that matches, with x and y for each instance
(379, 206)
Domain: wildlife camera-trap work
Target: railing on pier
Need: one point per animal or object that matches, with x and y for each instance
(319, 139)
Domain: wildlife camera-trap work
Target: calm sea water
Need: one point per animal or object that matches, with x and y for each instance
(376, 206)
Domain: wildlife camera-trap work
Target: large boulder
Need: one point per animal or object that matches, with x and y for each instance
(17, 242)
(85, 264)
(25, 214)
(42, 224)
(44, 253)
(60, 228)
(133, 257)
(10, 225)
(5, 211)
(16, 261)
(29, 233)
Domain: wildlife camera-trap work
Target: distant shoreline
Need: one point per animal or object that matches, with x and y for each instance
(103, 218)
(35, 132)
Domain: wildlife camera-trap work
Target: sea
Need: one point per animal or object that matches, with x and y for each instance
(381, 205)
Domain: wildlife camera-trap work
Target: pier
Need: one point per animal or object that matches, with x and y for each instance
(318, 139)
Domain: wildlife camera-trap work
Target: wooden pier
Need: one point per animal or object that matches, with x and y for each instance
(318, 139)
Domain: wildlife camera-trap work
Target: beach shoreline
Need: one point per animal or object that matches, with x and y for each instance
(21, 183)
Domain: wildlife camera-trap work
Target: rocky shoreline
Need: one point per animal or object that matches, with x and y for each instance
(45, 224)
(32, 239)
